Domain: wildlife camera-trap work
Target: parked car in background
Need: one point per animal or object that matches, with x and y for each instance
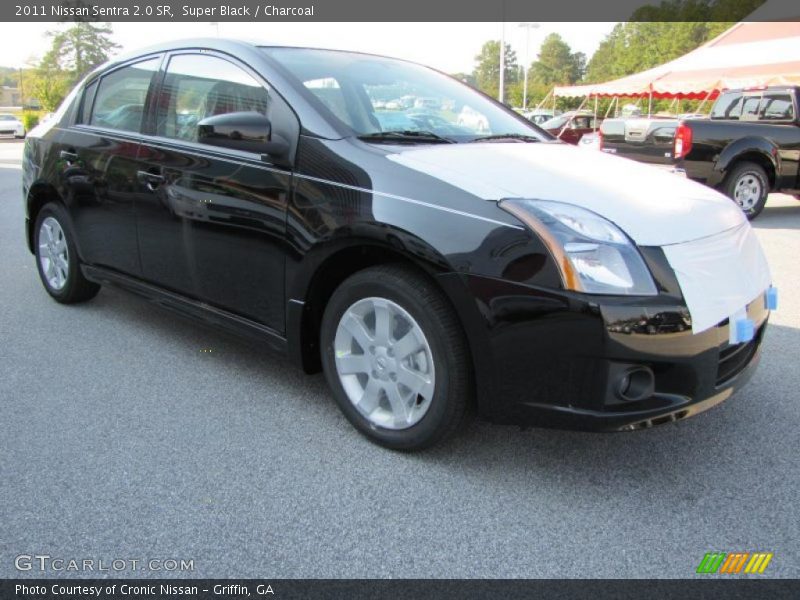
(591, 141)
(427, 274)
(430, 121)
(647, 140)
(540, 115)
(571, 126)
(748, 147)
(430, 103)
(11, 126)
(472, 119)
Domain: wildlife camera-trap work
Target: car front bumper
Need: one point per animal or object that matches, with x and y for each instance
(555, 359)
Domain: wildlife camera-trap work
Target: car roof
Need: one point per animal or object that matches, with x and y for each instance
(228, 45)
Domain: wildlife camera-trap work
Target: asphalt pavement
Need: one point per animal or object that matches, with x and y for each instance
(127, 432)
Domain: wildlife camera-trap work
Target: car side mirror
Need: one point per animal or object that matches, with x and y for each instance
(248, 131)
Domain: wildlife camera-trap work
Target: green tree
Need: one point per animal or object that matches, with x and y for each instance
(657, 34)
(556, 63)
(48, 85)
(72, 54)
(467, 78)
(80, 48)
(487, 68)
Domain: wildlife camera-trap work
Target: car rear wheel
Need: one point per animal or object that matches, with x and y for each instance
(395, 357)
(748, 186)
(57, 258)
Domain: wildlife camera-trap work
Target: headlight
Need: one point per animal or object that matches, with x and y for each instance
(592, 253)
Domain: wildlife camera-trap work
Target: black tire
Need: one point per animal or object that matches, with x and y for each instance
(418, 296)
(741, 171)
(76, 287)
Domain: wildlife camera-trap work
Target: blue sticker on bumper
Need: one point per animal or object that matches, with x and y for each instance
(745, 330)
(771, 298)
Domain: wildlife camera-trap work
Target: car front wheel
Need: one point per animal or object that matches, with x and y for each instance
(57, 258)
(395, 357)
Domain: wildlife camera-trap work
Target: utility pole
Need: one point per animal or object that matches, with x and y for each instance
(527, 64)
(502, 61)
(21, 90)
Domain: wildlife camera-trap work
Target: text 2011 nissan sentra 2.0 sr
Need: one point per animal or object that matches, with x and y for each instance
(334, 206)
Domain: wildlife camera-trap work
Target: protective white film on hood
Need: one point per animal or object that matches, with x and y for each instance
(719, 275)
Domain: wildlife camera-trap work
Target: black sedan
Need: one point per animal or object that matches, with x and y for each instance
(432, 267)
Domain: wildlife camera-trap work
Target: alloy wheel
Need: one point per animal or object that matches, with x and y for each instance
(384, 363)
(53, 253)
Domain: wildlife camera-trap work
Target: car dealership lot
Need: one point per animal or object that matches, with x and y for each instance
(128, 432)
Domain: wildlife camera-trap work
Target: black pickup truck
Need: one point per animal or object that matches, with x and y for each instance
(748, 147)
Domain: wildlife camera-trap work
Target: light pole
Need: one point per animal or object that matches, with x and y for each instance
(526, 66)
(21, 90)
(502, 61)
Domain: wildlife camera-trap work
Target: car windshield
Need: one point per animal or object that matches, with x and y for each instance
(7, 118)
(373, 95)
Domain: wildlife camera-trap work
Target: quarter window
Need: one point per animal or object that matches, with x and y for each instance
(120, 97)
(727, 106)
(197, 86)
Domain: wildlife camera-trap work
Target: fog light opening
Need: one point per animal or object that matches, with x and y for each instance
(635, 384)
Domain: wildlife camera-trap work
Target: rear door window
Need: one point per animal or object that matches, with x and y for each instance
(121, 95)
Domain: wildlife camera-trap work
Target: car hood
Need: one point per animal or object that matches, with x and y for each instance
(653, 207)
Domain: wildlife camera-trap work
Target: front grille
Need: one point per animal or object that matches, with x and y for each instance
(733, 359)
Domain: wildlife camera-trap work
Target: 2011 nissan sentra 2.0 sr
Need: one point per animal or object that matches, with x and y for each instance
(343, 210)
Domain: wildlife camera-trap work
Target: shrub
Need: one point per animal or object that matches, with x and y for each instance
(30, 120)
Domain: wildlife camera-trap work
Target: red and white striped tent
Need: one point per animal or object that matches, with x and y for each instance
(748, 54)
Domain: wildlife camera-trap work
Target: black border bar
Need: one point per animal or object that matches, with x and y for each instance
(396, 589)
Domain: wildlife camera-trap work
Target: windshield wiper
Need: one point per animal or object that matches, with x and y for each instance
(406, 135)
(521, 137)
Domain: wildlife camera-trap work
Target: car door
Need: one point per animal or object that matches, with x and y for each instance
(212, 220)
(98, 162)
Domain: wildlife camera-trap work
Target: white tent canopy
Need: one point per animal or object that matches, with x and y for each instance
(746, 55)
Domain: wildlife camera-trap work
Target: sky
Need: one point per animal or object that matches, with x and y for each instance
(450, 47)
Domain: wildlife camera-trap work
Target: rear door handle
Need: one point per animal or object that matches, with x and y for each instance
(150, 179)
